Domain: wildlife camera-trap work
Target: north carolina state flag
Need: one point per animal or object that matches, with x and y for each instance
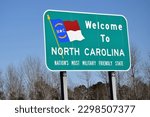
(73, 30)
(67, 31)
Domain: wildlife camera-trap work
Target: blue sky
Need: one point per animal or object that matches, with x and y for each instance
(21, 25)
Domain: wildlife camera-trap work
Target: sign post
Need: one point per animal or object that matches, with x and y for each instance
(112, 85)
(63, 82)
(77, 41)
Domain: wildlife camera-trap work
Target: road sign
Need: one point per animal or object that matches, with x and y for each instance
(86, 41)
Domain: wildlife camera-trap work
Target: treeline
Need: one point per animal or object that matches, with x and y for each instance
(32, 81)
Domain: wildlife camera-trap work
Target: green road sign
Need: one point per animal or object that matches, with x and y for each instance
(86, 41)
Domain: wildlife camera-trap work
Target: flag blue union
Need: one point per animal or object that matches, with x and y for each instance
(60, 30)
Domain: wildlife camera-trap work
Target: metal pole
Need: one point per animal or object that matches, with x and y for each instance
(112, 84)
(63, 82)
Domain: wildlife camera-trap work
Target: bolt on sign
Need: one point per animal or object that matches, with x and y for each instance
(86, 41)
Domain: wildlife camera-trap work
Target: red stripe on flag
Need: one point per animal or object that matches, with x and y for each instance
(71, 25)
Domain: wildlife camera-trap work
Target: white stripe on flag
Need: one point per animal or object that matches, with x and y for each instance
(75, 35)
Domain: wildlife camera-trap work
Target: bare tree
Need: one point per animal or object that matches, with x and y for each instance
(104, 78)
(133, 72)
(87, 78)
(147, 74)
(2, 95)
(40, 83)
(15, 88)
(121, 82)
(32, 70)
(43, 91)
(80, 93)
(141, 89)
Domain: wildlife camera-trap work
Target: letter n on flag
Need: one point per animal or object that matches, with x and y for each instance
(67, 31)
